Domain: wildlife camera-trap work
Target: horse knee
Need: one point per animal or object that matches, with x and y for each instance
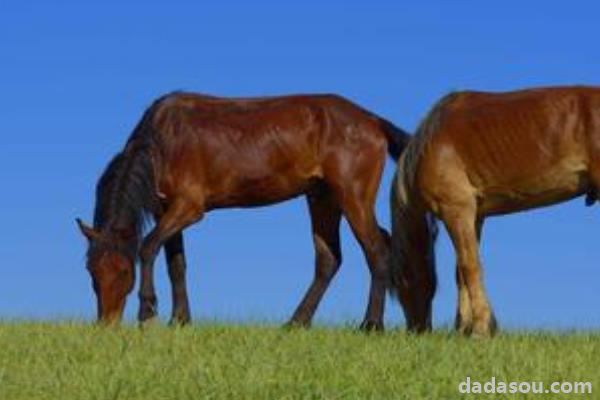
(327, 265)
(148, 249)
(381, 255)
(380, 271)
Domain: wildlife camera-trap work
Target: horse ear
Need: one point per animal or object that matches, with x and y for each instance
(87, 231)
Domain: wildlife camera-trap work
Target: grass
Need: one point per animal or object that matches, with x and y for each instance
(80, 361)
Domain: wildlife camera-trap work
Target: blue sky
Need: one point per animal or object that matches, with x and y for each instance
(75, 78)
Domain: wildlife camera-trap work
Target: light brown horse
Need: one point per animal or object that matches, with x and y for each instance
(191, 154)
(481, 154)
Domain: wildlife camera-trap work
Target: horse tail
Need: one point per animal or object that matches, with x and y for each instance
(397, 138)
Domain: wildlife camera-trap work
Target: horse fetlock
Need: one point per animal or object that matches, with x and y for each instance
(297, 323)
(148, 307)
(485, 326)
(481, 331)
(149, 322)
(180, 319)
(463, 323)
(464, 328)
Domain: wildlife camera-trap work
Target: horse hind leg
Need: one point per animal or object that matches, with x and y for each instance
(325, 216)
(374, 242)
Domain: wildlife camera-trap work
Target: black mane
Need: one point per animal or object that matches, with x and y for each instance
(126, 193)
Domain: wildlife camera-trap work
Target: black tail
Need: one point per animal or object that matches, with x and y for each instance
(397, 138)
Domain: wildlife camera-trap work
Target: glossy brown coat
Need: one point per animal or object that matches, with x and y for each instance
(481, 154)
(202, 153)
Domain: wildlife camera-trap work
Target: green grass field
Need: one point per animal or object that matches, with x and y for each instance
(80, 361)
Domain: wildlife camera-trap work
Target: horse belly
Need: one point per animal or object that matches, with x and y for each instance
(260, 190)
(555, 185)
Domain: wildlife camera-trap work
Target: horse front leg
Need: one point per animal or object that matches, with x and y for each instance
(325, 216)
(377, 253)
(180, 214)
(460, 220)
(463, 322)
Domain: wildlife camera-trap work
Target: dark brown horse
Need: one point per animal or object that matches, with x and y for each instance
(191, 154)
(482, 154)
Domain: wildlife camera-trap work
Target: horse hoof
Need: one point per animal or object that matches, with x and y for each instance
(481, 335)
(493, 325)
(179, 321)
(371, 326)
(464, 329)
(484, 331)
(295, 325)
(147, 311)
(108, 323)
(149, 322)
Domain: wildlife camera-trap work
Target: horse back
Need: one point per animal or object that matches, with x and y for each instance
(519, 149)
(247, 152)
